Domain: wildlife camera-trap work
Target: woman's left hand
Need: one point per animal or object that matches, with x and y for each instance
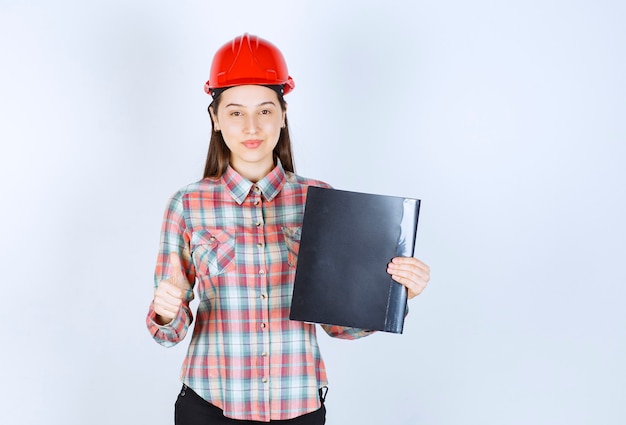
(411, 273)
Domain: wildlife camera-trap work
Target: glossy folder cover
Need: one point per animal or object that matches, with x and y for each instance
(347, 239)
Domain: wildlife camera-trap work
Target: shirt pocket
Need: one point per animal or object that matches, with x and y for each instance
(213, 251)
(292, 241)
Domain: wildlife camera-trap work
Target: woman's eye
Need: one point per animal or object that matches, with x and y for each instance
(235, 114)
(266, 112)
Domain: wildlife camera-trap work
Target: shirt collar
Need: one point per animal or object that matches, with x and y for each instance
(239, 187)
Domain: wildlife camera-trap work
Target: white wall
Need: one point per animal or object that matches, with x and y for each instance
(506, 118)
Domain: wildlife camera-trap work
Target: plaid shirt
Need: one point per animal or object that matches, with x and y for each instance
(238, 242)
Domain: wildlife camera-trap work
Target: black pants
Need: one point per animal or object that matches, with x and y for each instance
(191, 409)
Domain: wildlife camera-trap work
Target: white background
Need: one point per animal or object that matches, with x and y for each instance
(508, 120)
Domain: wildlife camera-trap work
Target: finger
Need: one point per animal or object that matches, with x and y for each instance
(175, 260)
(176, 266)
(166, 313)
(405, 260)
(406, 274)
(167, 302)
(176, 272)
(411, 282)
(167, 292)
(166, 298)
(410, 264)
(164, 308)
(409, 275)
(414, 288)
(408, 271)
(168, 287)
(410, 261)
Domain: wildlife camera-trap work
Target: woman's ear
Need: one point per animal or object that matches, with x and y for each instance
(216, 126)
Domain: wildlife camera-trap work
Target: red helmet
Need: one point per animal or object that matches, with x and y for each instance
(248, 60)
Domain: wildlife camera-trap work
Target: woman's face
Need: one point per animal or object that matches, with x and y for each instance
(250, 119)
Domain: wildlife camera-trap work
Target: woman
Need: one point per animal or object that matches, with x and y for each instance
(231, 234)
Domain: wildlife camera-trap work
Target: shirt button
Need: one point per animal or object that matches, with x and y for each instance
(257, 202)
(263, 296)
(262, 325)
(258, 224)
(264, 380)
(260, 244)
(262, 271)
(256, 189)
(263, 354)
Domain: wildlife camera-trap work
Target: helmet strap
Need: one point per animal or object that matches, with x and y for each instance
(278, 88)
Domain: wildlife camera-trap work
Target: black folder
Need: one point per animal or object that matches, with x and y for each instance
(347, 239)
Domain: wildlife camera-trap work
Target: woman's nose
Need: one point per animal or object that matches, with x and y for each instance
(251, 124)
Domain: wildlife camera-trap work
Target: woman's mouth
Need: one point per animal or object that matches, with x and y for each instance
(252, 144)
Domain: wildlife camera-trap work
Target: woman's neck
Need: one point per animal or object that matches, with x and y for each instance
(253, 171)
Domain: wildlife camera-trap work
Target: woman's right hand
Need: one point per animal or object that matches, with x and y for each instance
(171, 292)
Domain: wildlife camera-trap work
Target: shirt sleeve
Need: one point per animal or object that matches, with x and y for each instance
(174, 238)
(343, 332)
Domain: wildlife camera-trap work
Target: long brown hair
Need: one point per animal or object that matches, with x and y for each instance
(218, 156)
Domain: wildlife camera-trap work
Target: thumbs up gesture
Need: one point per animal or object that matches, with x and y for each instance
(171, 292)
